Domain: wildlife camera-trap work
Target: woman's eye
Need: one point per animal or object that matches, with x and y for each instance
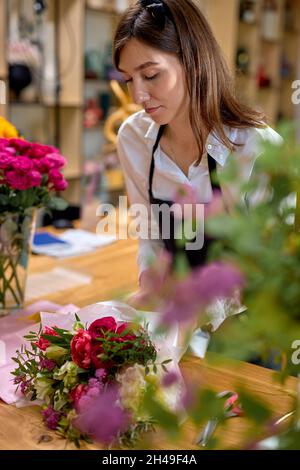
(152, 77)
(128, 80)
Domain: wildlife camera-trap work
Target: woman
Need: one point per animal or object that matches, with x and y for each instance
(191, 121)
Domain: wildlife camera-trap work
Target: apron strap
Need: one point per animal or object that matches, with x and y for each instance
(212, 165)
(151, 173)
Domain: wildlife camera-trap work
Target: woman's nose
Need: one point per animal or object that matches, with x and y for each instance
(140, 96)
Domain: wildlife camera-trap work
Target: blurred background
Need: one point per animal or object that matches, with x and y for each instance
(62, 88)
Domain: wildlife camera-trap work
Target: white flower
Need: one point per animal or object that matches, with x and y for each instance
(133, 385)
(43, 387)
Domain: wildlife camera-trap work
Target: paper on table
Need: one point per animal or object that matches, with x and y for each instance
(43, 284)
(76, 242)
(58, 250)
(85, 238)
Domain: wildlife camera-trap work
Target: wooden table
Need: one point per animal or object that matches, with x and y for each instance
(114, 273)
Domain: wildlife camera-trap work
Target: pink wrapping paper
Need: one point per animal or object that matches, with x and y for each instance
(12, 330)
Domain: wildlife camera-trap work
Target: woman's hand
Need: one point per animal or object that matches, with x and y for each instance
(140, 298)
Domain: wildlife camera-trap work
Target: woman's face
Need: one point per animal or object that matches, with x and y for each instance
(155, 80)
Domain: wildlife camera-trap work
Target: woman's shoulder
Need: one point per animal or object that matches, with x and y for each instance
(249, 141)
(137, 125)
(244, 136)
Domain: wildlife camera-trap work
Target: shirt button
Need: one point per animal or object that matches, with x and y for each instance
(209, 146)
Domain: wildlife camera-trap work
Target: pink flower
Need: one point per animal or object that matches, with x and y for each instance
(204, 285)
(6, 161)
(216, 206)
(101, 326)
(57, 179)
(4, 143)
(170, 379)
(51, 417)
(21, 180)
(81, 349)
(47, 364)
(22, 164)
(20, 145)
(186, 200)
(218, 280)
(101, 375)
(77, 393)
(101, 417)
(17, 180)
(39, 150)
(53, 160)
(34, 178)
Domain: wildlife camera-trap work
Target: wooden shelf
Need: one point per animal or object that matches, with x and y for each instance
(105, 9)
(268, 53)
(69, 21)
(3, 63)
(71, 175)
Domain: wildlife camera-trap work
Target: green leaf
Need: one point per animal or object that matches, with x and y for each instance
(57, 203)
(254, 408)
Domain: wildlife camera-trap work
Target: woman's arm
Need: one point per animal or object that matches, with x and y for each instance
(135, 157)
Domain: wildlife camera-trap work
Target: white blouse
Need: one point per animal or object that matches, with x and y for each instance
(136, 138)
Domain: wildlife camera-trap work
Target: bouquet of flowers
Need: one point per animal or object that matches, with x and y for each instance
(91, 380)
(30, 176)
(30, 173)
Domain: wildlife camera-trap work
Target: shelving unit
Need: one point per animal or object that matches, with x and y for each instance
(291, 57)
(100, 23)
(277, 55)
(266, 59)
(3, 63)
(35, 116)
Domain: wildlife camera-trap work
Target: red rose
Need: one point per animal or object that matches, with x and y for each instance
(81, 349)
(43, 343)
(101, 326)
(129, 336)
(96, 361)
(96, 357)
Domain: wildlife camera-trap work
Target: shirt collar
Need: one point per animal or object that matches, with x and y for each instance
(213, 145)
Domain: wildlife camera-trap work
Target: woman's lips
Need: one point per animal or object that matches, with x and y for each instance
(152, 110)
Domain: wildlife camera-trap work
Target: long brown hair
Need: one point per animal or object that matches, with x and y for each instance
(186, 33)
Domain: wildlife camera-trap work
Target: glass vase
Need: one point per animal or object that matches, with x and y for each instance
(16, 233)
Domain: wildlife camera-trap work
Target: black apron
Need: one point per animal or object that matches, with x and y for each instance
(195, 257)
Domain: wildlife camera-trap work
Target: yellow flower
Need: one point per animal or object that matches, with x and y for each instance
(7, 130)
